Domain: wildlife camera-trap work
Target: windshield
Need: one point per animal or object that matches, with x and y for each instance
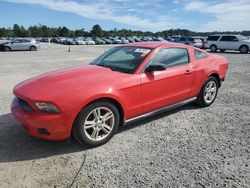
(124, 59)
(241, 37)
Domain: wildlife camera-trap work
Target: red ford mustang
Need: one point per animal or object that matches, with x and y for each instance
(130, 81)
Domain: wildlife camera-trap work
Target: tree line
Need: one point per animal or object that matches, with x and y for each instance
(45, 31)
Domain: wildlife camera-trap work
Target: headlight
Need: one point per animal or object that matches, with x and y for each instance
(46, 107)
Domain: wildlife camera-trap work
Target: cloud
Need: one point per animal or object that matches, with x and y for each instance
(229, 15)
(103, 10)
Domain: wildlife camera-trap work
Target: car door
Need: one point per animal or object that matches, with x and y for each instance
(24, 45)
(228, 42)
(163, 88)
(15, 44)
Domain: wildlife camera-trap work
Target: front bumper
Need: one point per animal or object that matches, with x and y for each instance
(41, 125)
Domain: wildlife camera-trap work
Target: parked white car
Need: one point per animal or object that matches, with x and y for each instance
(21, 44)
(228, 42)
(89, 41)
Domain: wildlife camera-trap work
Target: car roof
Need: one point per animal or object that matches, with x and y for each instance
(157, 44)
(225, 34)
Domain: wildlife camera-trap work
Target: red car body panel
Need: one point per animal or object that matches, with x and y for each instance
(72, 89)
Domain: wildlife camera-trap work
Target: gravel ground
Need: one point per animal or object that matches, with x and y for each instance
(185, 147)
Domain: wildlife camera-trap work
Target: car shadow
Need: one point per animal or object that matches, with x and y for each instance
(16, 145)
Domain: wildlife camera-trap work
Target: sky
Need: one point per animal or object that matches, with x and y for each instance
(146, 15)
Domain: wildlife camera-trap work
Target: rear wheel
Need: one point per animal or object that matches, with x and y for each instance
(213, 48)
(96, 124)
(244, 49)
(7, 49)
(208, 92)
(32, 48)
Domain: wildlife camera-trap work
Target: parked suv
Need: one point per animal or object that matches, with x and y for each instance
(21, 44)
(228, 42)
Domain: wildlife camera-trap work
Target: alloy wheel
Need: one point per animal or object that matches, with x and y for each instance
(210, 91)
(99, 123)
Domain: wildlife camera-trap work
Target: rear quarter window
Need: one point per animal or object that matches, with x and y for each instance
(199, 54)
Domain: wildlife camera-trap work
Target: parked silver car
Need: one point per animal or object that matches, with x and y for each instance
(21, 44)
(228, 42)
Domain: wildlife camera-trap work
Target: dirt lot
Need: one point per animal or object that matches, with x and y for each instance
(186, 147)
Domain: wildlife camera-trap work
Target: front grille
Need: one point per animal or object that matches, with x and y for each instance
(24, 105)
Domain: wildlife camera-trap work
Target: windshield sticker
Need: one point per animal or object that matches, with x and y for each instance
(143, 51)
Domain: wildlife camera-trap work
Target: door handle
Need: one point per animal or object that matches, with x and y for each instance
(188, 72)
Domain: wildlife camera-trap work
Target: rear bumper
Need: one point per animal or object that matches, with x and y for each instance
(43, 126)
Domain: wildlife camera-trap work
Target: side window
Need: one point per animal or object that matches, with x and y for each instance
(25, 40)
(233, 39)
(225, 38)
(199, 54)
(213, 38)
(171, 57)
(16, 41)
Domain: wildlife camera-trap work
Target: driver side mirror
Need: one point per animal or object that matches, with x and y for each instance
(155, 67)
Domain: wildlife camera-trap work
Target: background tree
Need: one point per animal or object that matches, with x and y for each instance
(16, 30)
(64, 32)
(45, 31)
(96, 30)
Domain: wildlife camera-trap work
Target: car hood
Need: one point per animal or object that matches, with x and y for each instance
(3, 43)
(247, 40)
(52, 84)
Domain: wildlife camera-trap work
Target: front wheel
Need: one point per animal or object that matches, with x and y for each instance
(208, 92)
(244, 49)
(7, 49)
(96, 124)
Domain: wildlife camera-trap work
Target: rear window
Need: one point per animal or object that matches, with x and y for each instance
(213, 38)
(199, 54)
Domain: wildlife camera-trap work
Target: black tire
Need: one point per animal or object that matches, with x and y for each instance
(79, 132)
(7, 49)
(32, 48)
(244, 49)
(201, 101)
(213, 48)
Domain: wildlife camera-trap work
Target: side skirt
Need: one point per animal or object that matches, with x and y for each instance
(165, 109)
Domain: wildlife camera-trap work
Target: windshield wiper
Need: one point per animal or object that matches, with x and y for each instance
(106, 66)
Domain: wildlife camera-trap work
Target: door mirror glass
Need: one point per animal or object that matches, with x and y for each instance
(155, 67)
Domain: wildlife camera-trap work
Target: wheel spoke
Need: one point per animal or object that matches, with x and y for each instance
(105, 130)
(210, 85)
(89, 124)
(97, 113)
(213, 89)
(207, 96)
(107, 127)
(107, 116)
(94, 134)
